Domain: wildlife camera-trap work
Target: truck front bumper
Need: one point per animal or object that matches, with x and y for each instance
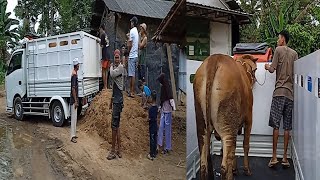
(9, 110)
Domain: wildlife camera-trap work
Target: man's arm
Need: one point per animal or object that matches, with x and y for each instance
(143, 43)
(130, 40)
(114, 72)
(271, 68)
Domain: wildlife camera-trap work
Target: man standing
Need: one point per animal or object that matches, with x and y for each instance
(116, 103)
(105, 61)
(74, 99)
(282, 101)
(133, 45)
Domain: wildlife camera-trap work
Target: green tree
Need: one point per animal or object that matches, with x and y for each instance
(75, 15)
(253, 7)
(55, 16)
(273, 16)
(8, 34)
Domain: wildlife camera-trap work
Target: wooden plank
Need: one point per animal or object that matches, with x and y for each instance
(173, 82)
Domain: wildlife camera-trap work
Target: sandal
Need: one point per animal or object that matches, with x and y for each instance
(165, 151)
(285, 164)
(111, 156)
(150, 157)
(272, 163)
(119, 154)
(73, 139)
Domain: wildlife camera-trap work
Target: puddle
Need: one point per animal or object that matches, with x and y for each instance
(5, 153)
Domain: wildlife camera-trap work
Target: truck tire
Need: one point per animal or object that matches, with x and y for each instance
(18, 109)
(57, 114)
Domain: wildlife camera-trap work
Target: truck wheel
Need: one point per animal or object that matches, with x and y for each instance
(18, 109)
(57, 114)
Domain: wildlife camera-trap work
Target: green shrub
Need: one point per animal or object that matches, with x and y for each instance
(2, 72)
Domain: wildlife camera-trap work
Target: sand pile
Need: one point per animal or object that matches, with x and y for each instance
(134, 125)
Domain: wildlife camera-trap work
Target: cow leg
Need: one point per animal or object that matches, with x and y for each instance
(203, 134)
(216, 135)
(246, 141)
(234, 162)
(240, 131)
(209, 160)
(206, 170)
(229, 145)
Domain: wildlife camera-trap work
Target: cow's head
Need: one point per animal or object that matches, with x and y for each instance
(249, 63)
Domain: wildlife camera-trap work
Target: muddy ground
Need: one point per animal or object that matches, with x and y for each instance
(35, 149)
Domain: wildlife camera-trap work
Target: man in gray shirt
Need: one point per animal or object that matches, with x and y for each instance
(116, 103)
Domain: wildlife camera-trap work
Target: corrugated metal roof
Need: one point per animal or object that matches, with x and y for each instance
(230, 11)
(213, 3)
(147, 8)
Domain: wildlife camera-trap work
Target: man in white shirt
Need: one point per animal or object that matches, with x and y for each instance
(133, 45)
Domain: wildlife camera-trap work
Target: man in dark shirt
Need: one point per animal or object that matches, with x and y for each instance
(116, 103)
(153, 127)
(105, 61)
(74, 99)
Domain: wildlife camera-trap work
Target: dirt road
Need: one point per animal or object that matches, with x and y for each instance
(34, 149)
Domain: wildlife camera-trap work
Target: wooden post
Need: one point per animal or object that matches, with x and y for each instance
(173, 82)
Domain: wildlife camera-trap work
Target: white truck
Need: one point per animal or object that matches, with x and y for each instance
(38, 79)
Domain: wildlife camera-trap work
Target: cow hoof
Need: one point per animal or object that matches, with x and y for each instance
(247, 171)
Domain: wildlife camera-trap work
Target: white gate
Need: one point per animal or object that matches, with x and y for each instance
(306, 127)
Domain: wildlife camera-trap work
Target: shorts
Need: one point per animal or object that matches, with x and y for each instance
(132, 67)
(281, 108)
(105, 64)
(116, 113)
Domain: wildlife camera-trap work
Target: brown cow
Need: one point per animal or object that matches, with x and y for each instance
(223, 103)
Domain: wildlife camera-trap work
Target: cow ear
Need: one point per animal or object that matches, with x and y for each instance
(255, 59)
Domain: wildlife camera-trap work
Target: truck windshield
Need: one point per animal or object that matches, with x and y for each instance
(15, 63)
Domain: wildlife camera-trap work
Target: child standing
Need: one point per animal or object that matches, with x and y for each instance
(153, 127)
(166, 114)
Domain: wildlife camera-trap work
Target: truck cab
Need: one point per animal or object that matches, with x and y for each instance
(15, 82)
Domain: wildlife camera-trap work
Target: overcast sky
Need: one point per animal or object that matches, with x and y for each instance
(10, 7)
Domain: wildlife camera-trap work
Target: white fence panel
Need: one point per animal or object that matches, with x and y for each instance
(306, 127)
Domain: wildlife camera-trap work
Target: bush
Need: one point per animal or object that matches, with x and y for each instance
(2, 72)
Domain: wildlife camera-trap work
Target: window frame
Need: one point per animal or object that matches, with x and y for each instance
(12, 60)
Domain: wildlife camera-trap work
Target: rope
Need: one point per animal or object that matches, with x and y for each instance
(265, 77)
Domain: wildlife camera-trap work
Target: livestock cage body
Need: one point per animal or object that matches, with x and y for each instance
(49, 64)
